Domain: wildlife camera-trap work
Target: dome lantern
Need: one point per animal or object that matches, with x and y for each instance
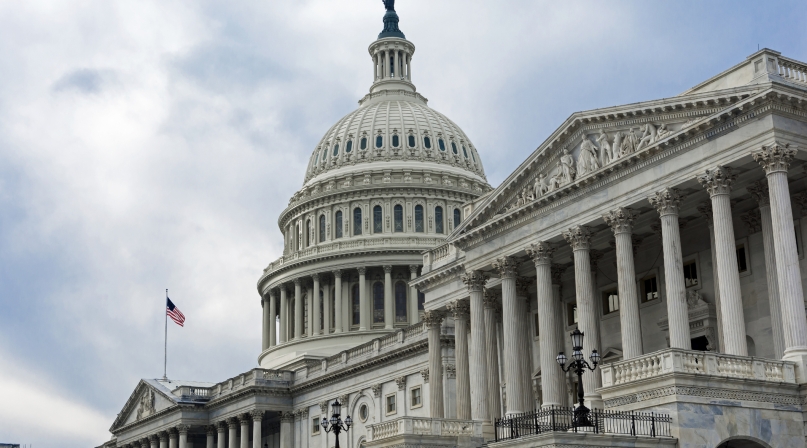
(392, 56)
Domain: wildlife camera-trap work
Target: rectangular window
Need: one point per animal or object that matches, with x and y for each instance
(742, 261)
(315, 426)
(610, 301)
(649, 288)
(571, 313)
(390, 404)
(690, 273)
(416, 398)
(537, 333)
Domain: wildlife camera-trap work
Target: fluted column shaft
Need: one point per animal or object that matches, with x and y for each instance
(362, 299)
(706, 210)
(298, 309)
(221, 435)
(460, 311)
(272, 318)
(244, 439)
(284, 316)
(327, 307)
(492, 364)
(512, 336)
(667, 203)
(183, 436)
(541, 253)
(525, 341)
(414, 315)
(210, 442)
(164, 440)
(265, 323)
(314, 301)
(718, 183)
(389, 309)
(338, 325)
(257, 417)
(557, 274)
(579, 238)
(776, 161)
(309, 315)
(433, 320)
(479, 362)
(232, 436)
(621, 222)
(172, 439)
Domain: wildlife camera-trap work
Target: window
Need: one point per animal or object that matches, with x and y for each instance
(378, 303)
(398, 217)
(395, 141)
(464, 151)
(349, 146)
(307, 232)
(321, 228)
(357, 221)
(339, 224)
(427, 142)
(400, 303)
(411, 141)
(363, 143)
(315, 426)
(457, 217)
(421, 300)
(438, 219)
(472, 155)
(316, 159)
(336, 149)
(378, 219)
(690, 273)
(415, 397)
(441, 144)
(355, 306)
(321, 310)
(571, 313)
(418, 218)
(379, 141)
(535, 318)
(742, 261)
(324, 154)
(390, 404)
(649, 288)
(610, 301)
(298, 236)
(364, 412)
(454, 148)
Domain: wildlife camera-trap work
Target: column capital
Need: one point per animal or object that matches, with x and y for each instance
(272, 293)
(759, 191)
(541, 252)
(337, 273)
(145, 442)
(376, 388)
(425, 374)
(705, 209)
(717, 180)
(621, 219)
(344, 399)
(401, 382)
(557, 272)
(491, 300)
(753, 220)
(154, 438)
(286, 417)
(297, 281)
(507, 267)
(183, 429)
(579, 237)
(257, 415)
(460, 309)
(666, 201)
(474, 280)
(315, 277)
(413, 269)
(522, 286)
(244, 418)
(232, 422)
(172, 432)
(387, 269)
(323, 407)
(775, 158)
(211, 430)
(163, 435)
(433, 318)
(362, 270)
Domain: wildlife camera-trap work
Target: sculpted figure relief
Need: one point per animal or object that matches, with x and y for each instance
(587, 161)
(540, 186)
(566, 165)
(605, 148)
(630, 143)
(662, 132)
(648, 137)
(617, 146)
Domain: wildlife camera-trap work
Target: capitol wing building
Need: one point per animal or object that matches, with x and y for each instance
(433, 306)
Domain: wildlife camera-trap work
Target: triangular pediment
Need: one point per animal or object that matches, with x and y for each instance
(147, 399)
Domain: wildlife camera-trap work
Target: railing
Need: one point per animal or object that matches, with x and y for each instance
(561, 419)
(193, 393)
(697, 363)
(792, 70)
(425, 426)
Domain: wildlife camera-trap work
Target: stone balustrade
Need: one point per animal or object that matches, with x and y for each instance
(792, 70)
(425, 426)
(672, 360)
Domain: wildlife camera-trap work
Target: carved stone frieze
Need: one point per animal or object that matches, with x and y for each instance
(709, 392)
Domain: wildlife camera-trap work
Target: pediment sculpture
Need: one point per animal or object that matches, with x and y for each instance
(146, 405)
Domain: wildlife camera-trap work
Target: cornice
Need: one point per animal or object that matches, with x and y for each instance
(439, 276)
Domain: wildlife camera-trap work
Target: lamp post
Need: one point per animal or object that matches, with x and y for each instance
(579, 365)
(336, 425)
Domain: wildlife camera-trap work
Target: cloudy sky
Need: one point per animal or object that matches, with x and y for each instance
(147, 145)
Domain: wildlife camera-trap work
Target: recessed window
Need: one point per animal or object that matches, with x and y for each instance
(441, 144)
(397, 211)
(378, 303)
(427, 142)
(421, 300)
(742, 258)
(335, 149)
(355, 305)
(650, 288)
(571, 313)
(390, 404)
(362, 143)
(438, 219)
(379, 141)
(395, 141)
(364, 412)
(535, 319)
(307, 232)
(315, 426)
(690, 273)
(454, 148)
(316, 159)
(464, 151)
(415, 397)
(357, 221)
(610, 301)
(419, 218)
(324, 154)
(457, 217)
(321, 228)
(339, 224)
(411, 141)
(349, 146)
(472, 155)
(378, 219)
(400, 303)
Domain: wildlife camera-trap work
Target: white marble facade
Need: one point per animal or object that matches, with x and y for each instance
(670, 232)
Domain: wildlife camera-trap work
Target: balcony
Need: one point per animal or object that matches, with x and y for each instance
(417, 431)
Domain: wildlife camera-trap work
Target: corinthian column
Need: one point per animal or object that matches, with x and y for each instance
(210, 442)
(579, 237)
(389, 309)
(272, 318)
(154, 439)
(313, 302)
(475, 281)
(667, 203)
(244, 419)
(310, 305)
(705, 209)
(551, 379)
(286, 429)
(257, 418)
(337, 292)
(621, 222)
(775, 160)
(759, 191)
(362, 299)
(557, 280)
(525, 342)
(172, 438)
(265, 323)
(492, 363)
(511, 309)
(298, 309)
(183, 435)
(221, 434)
(460, 310)
(414, 314)
(717, 182)
(433, 320)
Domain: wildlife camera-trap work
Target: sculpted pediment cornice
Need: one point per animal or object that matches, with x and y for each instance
(439, 276)
(144, 403)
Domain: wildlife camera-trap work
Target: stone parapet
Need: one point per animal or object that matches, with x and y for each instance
(417, 431)
(558, 439)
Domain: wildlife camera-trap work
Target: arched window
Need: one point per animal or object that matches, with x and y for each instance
(321, 228)
(378, 219)
(421, 300)
(454, 148)
(472, 155)
(336, 150)
(363, 143)
(441, 144)
(379, 141)
(438, 219)
(427, 142)
(307, 233)
(349, 146)
(395, 140)
(316, 159)
(378, 303)
(411, 141)
(357, 221)
(400, 302)
(355, 308)
(464, 151)
(418, 218)
(457, 217)
(324, 154)
(398, 215)
(338, 224)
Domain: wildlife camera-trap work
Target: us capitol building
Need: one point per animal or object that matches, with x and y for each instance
(433, 306)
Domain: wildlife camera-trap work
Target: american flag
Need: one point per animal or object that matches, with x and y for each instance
(174, 313)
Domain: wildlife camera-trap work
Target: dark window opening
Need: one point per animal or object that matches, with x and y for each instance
(400, 302)
(610, 301)
(427, 142)
(349, 146)
(379, 141)
(357, 221)
(454, 148)
(649, 288)
(411, 141)
(363, 143)
(321, 228)
(457, 218)
(418, 218)
(339, 224)
(441, 144)
(356, 306)
(421, 300)
(378, 218)
(690, 274)
(336, 149)
(398, 215)
(378, 303)
(438, 219)
(742, 262)
(464, 151)
(571, 313)
(700, 344)
(395, 141)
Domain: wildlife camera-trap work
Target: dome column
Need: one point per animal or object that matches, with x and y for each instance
(337, 292)
(414, 315)
(309, 301)
(284, 315)
(298, 308)
(362, 299)
(327, 306)
(389, 315)
(315, 312)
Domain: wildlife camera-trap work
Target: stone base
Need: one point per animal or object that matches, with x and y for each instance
(427, 441)
(560, 439)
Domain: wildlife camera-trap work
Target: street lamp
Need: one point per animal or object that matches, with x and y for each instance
(336, 424)
(579, 365)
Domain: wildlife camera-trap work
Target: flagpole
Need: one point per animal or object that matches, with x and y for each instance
(165, 352)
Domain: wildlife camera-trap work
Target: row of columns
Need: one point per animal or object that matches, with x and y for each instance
(177, 437)
(402, 68)
(271, 337)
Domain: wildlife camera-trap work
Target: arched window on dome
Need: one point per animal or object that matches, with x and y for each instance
(441, 144)
(395, 140)
(457, 217)
(379, 141)
(316, 158)
(398, 217)
(378, 303)
(472, 155)
(298, 237)
(411, 139)
(338, 224)
(355, 306)
(400, 303)
(357, 221)
(378, 219)
(454, 148)
(427, 142)
(363, 143)
(419, 218)
(307, 233)
(438, 219)
(349, 146)
(321, 228)
(464, 151)
(336, 150)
